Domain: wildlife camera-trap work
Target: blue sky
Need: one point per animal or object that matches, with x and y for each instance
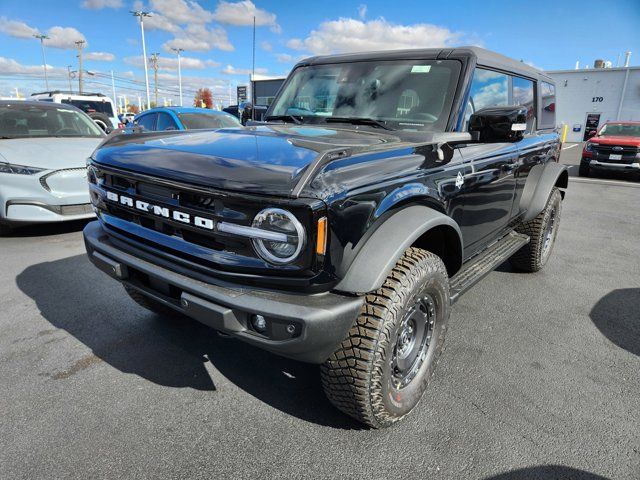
(216, 36)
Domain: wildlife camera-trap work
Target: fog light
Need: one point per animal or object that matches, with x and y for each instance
(259, 323)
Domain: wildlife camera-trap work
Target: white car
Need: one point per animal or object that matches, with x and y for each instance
(43, 153)
(99, 107)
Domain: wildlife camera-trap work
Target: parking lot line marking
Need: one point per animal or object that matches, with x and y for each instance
(570, 146)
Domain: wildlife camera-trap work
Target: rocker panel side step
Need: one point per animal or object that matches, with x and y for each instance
(484, 263)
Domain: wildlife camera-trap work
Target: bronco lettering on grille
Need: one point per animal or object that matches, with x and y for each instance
(160, 211)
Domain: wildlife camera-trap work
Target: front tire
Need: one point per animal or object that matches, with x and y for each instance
(542, 231)
(584, 170)
(379, 372)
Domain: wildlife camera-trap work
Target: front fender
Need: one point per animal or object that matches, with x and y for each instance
(386, 245)
(540, 181)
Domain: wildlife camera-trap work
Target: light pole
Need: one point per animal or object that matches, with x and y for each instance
(178, 51)
(42, 38)
(140, 14)
(69, 75)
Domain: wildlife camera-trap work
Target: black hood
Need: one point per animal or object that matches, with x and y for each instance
(261, 159)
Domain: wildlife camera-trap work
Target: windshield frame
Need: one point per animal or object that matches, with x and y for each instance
(45, 107)
(444, 122)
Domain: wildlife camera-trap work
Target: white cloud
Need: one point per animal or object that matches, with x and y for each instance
(99, 56)
(284, 58)
(242, 14)
(63, 37)
(10, 66)
(231, 70)
(100, 4)
(199, 38)
(187, 20)
(16, 28)
(171, 63)
(362, 11)
(266, 46)
(351, 35)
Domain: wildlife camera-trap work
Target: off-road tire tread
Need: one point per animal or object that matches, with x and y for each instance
(352, 376)
(584, 170)
(528, 258)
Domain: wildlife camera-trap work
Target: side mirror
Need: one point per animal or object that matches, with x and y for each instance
(499, 124)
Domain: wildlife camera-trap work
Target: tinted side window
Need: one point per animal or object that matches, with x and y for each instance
(148, 122)
(488, 89)
(548, 104)
(523, 95)
(165, 122)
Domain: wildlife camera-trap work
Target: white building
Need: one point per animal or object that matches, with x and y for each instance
(587, 98)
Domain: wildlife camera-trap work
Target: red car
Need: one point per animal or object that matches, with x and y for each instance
(615, 147)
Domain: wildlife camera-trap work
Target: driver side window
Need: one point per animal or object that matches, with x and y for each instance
(488, 89)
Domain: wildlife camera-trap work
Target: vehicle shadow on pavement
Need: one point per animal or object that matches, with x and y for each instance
(76, 297)
(617, 316)
(547, 472)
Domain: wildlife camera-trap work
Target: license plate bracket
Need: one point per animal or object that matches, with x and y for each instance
(615, 156)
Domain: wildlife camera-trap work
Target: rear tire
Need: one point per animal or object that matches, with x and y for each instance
(151, 304)
(379, 373)
(542, 231)
(102, 121)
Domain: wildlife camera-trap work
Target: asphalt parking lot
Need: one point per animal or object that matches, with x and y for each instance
(539, 380)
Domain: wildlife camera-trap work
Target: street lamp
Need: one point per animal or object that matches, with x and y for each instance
(140, 14)
(42, 38)
(178, 51)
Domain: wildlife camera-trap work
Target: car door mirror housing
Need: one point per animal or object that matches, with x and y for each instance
(499, 124)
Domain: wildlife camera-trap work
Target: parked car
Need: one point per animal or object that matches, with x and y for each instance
(183, 118)
(614, 148)
(43, 153)
(381, 187)
(99, 107)
(245, 111)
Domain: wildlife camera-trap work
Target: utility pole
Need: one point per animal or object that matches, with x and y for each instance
(69, 76)
(140, 14)
(178, 51)
(154, 64)
(80, 45)
(253, 73)
(44, 60)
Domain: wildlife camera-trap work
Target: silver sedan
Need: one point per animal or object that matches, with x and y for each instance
(43, 152)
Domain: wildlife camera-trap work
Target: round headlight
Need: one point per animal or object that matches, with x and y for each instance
(286, 245)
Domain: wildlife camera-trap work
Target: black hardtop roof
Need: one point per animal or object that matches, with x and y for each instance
(484, 57)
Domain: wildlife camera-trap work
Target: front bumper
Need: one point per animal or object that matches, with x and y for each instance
(305, 327)
(53, 196)
(600, 162)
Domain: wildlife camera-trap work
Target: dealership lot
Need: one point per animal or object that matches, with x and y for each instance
(539, 378)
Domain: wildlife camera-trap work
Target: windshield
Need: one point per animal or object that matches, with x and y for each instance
(195, 121)
(92, 106)
(23, 121)
(405, 94)
(620, 130)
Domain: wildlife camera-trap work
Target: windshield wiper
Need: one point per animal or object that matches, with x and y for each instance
(359, 121)
(284, 118)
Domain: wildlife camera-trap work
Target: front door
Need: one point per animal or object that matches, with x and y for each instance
(489, 192)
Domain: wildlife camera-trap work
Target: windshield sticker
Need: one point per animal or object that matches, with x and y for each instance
(420, 69)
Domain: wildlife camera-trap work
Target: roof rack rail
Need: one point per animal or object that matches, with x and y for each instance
(69, 92)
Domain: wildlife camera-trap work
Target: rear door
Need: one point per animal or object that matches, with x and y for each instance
(491, 184)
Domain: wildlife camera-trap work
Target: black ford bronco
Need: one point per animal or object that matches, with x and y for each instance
(339, 231)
